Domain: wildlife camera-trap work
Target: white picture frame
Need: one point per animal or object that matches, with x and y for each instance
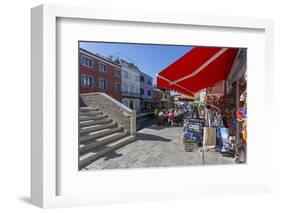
(45, 152)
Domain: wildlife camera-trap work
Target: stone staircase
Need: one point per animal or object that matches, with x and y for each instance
(99, 135)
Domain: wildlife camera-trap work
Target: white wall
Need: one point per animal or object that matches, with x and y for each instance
(130, 83)
(15, 115)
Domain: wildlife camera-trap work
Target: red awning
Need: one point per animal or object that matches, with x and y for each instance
(200, 68)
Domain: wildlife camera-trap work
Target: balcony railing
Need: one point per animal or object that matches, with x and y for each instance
(130, 94)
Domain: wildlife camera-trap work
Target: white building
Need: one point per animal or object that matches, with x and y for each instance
(130, 85)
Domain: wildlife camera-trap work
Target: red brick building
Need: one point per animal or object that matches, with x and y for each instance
(97, 74)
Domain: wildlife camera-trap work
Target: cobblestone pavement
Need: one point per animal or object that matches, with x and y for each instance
(157, 146)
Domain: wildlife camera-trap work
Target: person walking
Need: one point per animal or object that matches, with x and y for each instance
(171, 117)
(162, 117)
(156, 112)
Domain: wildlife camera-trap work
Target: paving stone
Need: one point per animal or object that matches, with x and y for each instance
(157, 147)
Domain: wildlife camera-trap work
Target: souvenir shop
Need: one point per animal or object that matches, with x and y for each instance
(219, 118)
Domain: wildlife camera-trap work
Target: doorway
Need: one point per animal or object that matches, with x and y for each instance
(131, 104)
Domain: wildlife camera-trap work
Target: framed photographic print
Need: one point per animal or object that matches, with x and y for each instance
(129, 106)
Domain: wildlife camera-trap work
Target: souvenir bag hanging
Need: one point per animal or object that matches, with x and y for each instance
(194, 127)
(209, 136)
(222, 135)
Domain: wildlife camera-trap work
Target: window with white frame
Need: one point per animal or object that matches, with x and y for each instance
(137, 91)
(141, 78)
(102, 67)
(137, 105)
(102, 84)
(125, 102)
(137, 78)
(125, 87)
(118, 73)
(117, 87)
(125, 74)
(87, 62)
(141, 91)
(131, 89)
(86, 81)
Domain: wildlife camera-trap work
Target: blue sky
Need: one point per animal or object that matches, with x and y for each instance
(151, 59)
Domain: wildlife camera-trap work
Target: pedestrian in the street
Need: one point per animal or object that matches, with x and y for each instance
(156, 113)
(171, 117)
(161, 117)
(165, 120)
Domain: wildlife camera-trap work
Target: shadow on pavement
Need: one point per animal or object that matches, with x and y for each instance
(111, 155)
(228, 155)
(149, 137)
(158, 127)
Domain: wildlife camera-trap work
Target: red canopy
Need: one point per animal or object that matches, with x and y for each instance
(198, 69)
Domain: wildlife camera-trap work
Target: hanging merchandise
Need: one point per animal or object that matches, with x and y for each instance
(222, 136)
(209, 138)
(197, 104)
(244, 132)
(216, 101)
(241, 114)
(243, 96)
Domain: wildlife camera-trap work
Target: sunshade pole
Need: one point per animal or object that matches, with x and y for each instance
(165, 79)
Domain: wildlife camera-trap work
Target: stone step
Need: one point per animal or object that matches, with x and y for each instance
(100, 133)
(90, 113)
(87, 109)
(89, 157)
(94, 122)
(94, 117)
(87, 129)
(92, 144)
